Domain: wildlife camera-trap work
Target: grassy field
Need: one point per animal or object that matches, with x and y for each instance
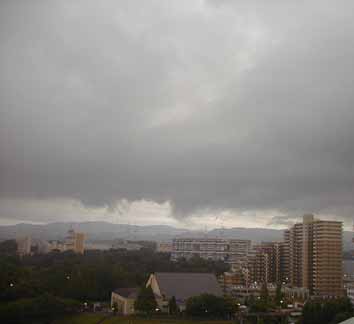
(122, 320)
(81, 319)
(94, 318)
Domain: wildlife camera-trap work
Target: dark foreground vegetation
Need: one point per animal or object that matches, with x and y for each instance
(331, 311)
(43, 287)
(95, 318)
(53, 288)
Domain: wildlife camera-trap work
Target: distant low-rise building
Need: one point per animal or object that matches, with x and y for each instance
(126, 245)
(295, 294)
(348, 278)
(101, 246)
(42, 246)
(350, 291)
(58, 246)
(24, 246)
(165, 247)
(228, 280)
(75, 242)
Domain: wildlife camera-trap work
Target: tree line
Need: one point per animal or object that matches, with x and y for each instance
(73, 278)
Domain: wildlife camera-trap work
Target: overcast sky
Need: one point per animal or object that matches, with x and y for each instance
(189, 113)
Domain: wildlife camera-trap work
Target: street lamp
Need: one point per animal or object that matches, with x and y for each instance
(11, 284)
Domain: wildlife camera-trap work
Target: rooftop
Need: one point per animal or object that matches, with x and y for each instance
(185, 285)
(127, 292)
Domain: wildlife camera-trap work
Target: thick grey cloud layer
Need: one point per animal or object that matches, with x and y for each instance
(207, 104)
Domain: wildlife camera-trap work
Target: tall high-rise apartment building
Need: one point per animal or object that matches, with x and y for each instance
(314, 256)
(293, 241)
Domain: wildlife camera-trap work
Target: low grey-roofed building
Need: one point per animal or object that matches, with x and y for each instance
(182, 286)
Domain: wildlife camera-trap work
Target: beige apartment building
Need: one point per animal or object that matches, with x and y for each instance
(268, 263)
(75, 241)
(314, 256)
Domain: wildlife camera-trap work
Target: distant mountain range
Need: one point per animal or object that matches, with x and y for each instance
(101, 231)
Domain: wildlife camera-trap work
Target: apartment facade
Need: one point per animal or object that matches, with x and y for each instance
(165, 247)
(228, 280)
(232, 251)
(314, 256)
(267, 263)
(259, 265)
(293, 242)
(326, 259)
(75, 241)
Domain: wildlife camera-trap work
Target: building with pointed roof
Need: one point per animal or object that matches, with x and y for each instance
(182, 286)
(123, 299)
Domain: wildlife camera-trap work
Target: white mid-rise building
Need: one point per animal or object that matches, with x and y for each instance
(231, 251)
(24, 245)
(350, 292)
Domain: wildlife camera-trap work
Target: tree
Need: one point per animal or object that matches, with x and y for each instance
(88, 277)
(327, 311)
(207, 305)
(41, 309)
(115, 308)
(278, 294)
(230, 307)
(259, 306)
(8, 248)
(264, 292)
(145, 302)
(262, 303)
(172, 306)
(250, 300)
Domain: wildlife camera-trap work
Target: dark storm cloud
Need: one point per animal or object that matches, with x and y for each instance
(215, 104)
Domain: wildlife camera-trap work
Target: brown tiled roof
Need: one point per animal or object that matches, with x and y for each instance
(185, 285)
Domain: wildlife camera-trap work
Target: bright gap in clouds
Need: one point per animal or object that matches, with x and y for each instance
(141, 212)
